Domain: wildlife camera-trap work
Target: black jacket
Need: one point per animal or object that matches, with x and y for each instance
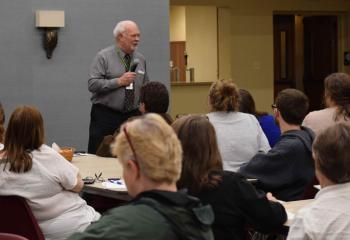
(287, 168)
(236, 204)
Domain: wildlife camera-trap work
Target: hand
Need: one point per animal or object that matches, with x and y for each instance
(270, 197)
(126, 79)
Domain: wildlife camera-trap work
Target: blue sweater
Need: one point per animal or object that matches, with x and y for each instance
(270, 128)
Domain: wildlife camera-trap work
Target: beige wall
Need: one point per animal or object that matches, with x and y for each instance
(252, 38)
(189, 99)
(177, 23)
(201, 44)
(224, 42)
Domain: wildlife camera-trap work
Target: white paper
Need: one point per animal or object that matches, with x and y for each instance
(130, 87)
(119, 184)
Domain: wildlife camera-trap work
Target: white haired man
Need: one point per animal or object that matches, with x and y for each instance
(115, 79)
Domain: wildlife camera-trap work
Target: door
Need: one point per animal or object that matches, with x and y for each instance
(178, 59)
(320, 55)
(283, 41)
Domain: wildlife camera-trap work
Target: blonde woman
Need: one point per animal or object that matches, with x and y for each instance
(150, 154)
(239, 135)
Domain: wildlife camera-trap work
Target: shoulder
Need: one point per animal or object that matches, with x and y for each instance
(246, 116)
(318, 116)
(266, 119)
(136, 213)
(45, 150)
(234, 116)
(103, 53)
(127, 222)
(139, 55)
(234, 181)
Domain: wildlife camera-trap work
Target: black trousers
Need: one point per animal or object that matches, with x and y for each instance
(104, 121)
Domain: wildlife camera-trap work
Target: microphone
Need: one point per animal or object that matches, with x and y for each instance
(133, 69)
(134, 65)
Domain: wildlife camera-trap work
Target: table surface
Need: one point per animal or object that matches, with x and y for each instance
(293, 207)
(109, 167)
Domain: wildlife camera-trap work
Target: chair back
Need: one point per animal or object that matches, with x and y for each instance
(9, 236)
(310, 191)
(16, 217)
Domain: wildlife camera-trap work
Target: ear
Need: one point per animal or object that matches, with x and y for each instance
(276, 113)
(142, 108)
(133, 169)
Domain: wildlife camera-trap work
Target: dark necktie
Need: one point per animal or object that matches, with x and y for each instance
(129, 93)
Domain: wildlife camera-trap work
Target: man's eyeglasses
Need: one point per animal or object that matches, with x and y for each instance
(130, 143)
(273, 106)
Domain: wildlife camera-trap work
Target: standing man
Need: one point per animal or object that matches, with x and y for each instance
(116, 76)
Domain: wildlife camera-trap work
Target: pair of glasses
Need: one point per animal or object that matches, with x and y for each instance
(98, 178)
(273, 106)
(130, 143)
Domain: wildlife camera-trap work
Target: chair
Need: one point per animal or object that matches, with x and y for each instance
(16, 217)
(310, 191)
(9, 236)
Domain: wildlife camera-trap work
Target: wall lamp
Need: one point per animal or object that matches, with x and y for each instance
(49, 21)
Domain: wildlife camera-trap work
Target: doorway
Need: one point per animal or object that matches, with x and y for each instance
(305, 52)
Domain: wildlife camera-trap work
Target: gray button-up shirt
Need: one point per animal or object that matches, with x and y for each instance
(105, 69)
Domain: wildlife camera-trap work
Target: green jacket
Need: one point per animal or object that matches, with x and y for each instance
(154, 215)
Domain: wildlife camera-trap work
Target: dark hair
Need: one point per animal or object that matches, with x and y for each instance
(293, 105)
(155, 96)
(201, 157)
(247, 104)
(2, 122)
(223, 96)
(25, 133)
(337, 88)
(332, 153)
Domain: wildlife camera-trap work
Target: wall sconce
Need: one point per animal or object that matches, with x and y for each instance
(50, 21)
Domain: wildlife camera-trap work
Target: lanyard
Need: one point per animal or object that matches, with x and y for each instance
(122, 59)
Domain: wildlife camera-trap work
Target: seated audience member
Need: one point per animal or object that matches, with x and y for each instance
(150, 154)
(287, 168)
(328, 217)
(267, 122)
(234, 200)
(154, 98)
(2, 128)
(239, 135)
(337, 101)
(50, 183)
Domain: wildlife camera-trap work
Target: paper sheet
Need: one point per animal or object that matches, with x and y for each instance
(118, 184)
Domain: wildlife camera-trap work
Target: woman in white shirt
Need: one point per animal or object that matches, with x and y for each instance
(337, 100)
(328, 217)
(239, 135)
(31, 169)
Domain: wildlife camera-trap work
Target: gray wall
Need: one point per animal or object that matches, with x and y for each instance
(58, 87)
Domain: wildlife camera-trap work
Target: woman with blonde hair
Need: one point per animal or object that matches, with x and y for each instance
(150, 154)
(234, 200)
(337, 101)
(239, 134)
(48, 182)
